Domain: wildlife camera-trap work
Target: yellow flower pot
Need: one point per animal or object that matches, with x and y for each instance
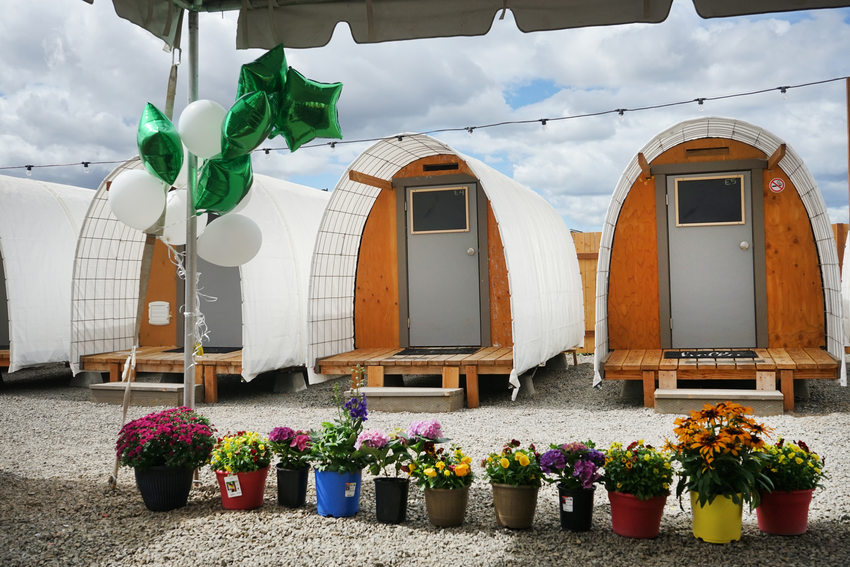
(718, 521)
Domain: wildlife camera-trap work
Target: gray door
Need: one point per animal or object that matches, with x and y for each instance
(442, 266)
(712, 296)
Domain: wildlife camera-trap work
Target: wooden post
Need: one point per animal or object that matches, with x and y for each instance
(451, 376)
(375, 376)
(648, 389)
(471, 386)
(786, 379)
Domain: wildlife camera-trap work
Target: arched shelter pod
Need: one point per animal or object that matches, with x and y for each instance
(268, 309)
(514, 282)
(680, 276)
(39, 224)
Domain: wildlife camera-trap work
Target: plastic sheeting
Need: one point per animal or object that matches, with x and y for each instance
(273, 284)
(543, 274)
(791, 164)
(39, 224)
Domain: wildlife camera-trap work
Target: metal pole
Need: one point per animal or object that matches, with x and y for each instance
(191, 234)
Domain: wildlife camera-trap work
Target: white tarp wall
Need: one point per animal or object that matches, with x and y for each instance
(794, 168)
(543, 274)
(39, 224)
(274, 283)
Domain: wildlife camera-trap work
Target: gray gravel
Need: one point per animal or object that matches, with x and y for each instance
(56, 456)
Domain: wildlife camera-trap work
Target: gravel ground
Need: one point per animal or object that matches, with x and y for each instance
(56, 454)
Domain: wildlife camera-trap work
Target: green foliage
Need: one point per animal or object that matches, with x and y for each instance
(639, 469)
(244, 451)
(333, 446)
(792, 466)
(513, 465)
(440, 468)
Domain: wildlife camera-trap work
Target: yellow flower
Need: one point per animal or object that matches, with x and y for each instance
(447, 472)
(666, 465)
(411, 467)
(798, 460)
(466, 460)
(462, 469)
(523, 459)
(227, 468)
(666, 486)
(440, 465)
(262, 447)
(647, 457)
(504, 462)
(430, 472)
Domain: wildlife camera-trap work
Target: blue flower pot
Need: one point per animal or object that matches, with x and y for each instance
(337, 494)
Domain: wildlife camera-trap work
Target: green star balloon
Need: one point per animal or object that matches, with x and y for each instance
(267, 73)
(247, 124)
(160, 148)
(308, 110)
(222, 184)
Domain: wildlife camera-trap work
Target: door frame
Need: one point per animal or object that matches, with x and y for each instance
(401, 185)
(756, 168)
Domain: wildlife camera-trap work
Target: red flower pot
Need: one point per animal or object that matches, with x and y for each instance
(784, 513)
(242, 491)
(633, 517)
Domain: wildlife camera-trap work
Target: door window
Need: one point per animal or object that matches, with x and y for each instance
(710, 201)
(444, 209)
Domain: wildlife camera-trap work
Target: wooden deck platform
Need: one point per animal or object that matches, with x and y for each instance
(380, 362)
(157, 359)
(770, 365)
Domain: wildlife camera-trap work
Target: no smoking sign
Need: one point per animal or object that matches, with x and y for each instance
(777, 185)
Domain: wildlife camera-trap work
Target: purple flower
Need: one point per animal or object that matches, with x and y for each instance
(356, 407)
(430, 429)
(552, 461)
(281, 434)
(374, 438)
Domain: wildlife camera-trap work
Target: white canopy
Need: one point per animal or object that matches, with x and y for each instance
(543, 274)
(791, 164)
(273, 284)
(39, 224)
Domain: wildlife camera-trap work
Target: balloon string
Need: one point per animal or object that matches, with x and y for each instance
(200, 333)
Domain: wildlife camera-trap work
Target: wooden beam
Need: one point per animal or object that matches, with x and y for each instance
(644, 166)
(777, 156)
(370, 180)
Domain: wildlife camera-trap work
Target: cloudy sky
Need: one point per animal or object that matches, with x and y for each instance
(74, 79)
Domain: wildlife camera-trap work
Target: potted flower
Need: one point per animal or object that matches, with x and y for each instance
(721, 466)
(638, 480)
(515, 475)
(293, 449)
(241, 464)
(445, 476)
(576, 467)
(336, 460)
(164, 448)
(795, 471)
(387, 453)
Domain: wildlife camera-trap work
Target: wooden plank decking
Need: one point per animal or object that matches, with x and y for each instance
(157, 359)
(770, 365)
(379, 362)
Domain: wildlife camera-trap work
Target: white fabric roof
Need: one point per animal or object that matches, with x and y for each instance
(794, 168)
(274, 283)
(543, 274)
(39, 224)
(310, 23)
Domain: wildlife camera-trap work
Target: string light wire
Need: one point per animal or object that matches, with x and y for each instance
(470, 129)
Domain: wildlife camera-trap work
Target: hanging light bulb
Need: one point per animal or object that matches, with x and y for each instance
(268, 153)
(543, 122)
(622, 113)
(29, 171)
(469, 130)
(784, 92)
(700, 105)
(86, 166)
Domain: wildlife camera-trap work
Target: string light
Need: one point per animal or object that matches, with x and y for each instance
(268, 152)
(783, 90)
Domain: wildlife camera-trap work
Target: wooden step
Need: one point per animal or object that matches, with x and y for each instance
(684, 400)
(143, 393)
(419, 400)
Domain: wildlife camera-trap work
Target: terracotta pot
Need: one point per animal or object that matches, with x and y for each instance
(784, 512)
(718, 521)
(446, 507)
(514, 505)
(633, 517)
(243, 490)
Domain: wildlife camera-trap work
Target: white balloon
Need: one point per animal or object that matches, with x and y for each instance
(174, 231)
(137, 198)
(200, 127)
(230, 240)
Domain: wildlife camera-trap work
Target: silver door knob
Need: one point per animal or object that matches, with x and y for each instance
(470, 251)
(744, 245)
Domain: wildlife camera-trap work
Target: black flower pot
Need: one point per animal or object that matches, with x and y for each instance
(164, 488)
(576, 508)
(391, 499)
(292, 486)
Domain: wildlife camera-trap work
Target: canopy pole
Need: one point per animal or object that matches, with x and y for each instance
(190, 298)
